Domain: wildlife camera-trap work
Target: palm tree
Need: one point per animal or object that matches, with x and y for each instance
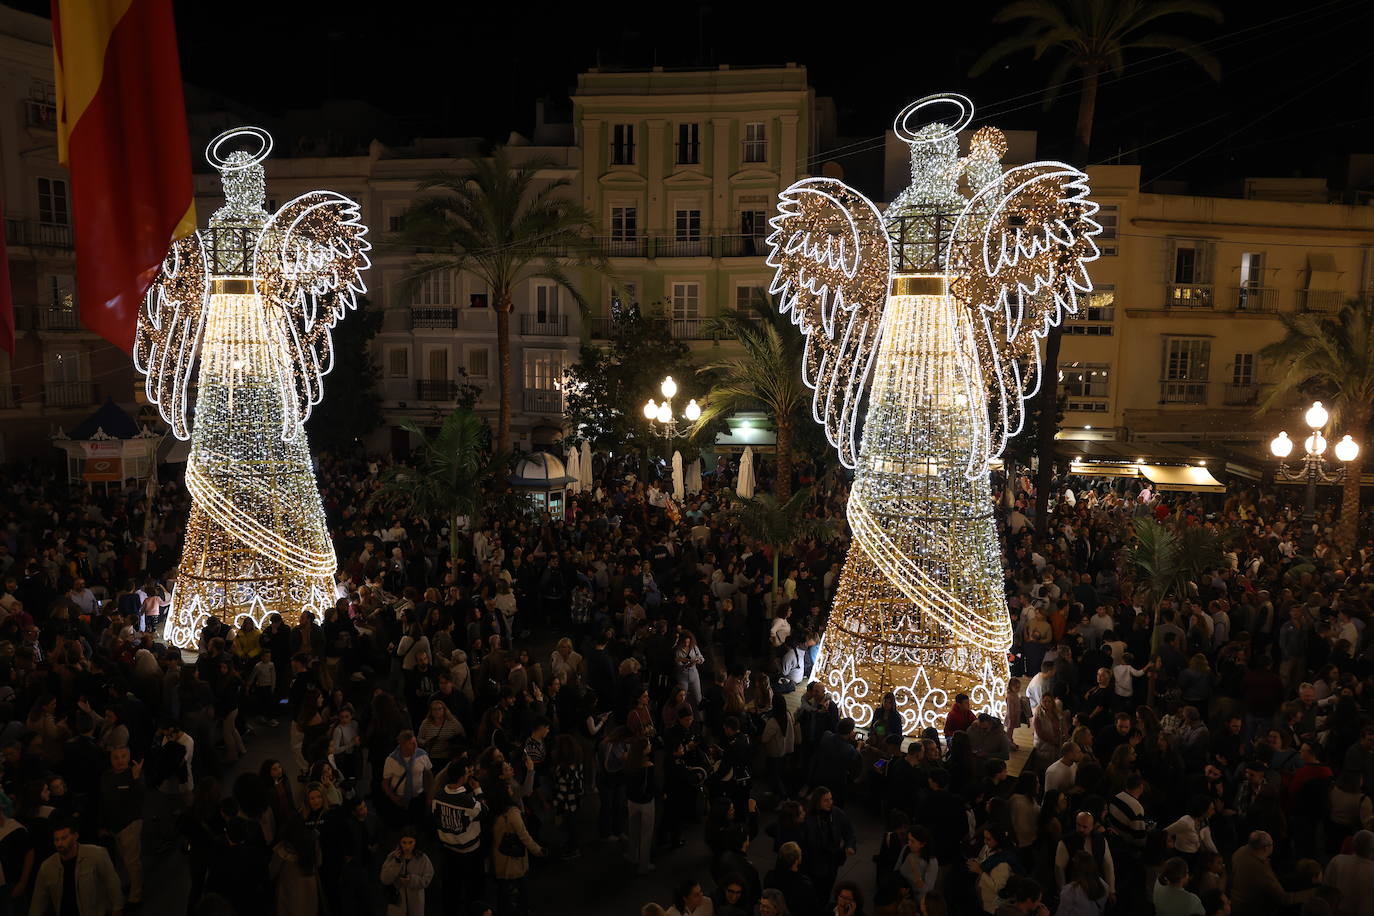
(496, 224)
(1165, 558)
(779, 524)
(767, 375)
(1332, 355)
(1092, 37)
(450, 478)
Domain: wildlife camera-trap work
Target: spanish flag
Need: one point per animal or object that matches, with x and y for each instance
(121, 130)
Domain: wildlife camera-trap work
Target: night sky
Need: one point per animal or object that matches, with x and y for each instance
(1294, 97)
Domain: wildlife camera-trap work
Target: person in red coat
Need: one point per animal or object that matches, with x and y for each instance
(960, 715)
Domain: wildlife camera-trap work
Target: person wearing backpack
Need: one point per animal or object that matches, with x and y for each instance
(512, 846)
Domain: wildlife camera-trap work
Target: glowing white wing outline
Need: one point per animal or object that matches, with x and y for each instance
(307, 267)
(835, 288)
(171, 324)
(1017, 259)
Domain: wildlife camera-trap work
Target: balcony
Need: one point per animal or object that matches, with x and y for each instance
(38, 235)
(545, 326)
(682, 248)
(69, 394)
(543, 401)
(624, 246)
(56, 318)
(1189, 296)
(690, 329)
(1240, 395)
(601, 328)
(742, 246)
(1321, 300)
(1254, 298)
(442, 389)
(433, 317)
(1176, 391)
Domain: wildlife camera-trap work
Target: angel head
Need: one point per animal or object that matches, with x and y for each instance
(241, 174)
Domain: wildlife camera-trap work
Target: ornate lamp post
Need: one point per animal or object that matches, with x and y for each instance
(661, 418)
(1313, 466)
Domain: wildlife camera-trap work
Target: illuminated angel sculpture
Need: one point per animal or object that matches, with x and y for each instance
(924, 322)
(240, 321)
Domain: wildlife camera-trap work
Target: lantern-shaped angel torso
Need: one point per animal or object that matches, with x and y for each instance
(241, 317)
(924, 323)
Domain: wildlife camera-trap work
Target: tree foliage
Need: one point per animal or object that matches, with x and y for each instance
(606, 388)
(765, 374)
(453, 475)
(352, 404)
(495, 223)
(779, 524)
(1165, 558)
(1330, 357)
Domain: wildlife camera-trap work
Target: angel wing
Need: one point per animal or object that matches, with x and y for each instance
(1018, 261)
(308, 266)
(170, 325)
(832, 257)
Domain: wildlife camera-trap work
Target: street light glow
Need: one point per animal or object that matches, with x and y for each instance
(1281, 446)
(693, 411)
(1347, 449)
(650, 410)
(668, 387)
(1316, 416)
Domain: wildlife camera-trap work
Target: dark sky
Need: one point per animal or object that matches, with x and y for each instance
(1295, 94)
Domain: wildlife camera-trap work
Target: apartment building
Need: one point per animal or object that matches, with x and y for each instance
(1189, 291)
(59, 371)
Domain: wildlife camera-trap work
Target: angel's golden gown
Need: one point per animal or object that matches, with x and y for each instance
(256, 542)
(920, 525)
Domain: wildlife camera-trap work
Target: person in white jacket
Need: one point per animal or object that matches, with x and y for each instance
(405, 874)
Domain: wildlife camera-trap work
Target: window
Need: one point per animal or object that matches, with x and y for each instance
(1084, 380)
(755, 142)
(1186, 264)
(625, 298)
(1252, 269)
(1108, 216)
(52, 202)
(545, 302)
(393, 223)
(623, 144)
(753, 223)
(477, 300)
(1096, 311)
(438, 365)
(398, 362)
(434, 289)
(624, 223)
(62, 292)
(479, 362)
(688, 144)
(687, 226)
(748, 295)
(1243, 369)
(686, 300)
(1186, 365)
(544, 370)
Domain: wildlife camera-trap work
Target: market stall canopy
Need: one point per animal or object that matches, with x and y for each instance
(1163, 477)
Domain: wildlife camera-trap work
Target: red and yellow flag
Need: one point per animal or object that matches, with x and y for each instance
(121, 130)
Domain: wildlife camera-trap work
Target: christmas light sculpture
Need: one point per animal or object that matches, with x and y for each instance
(247, 308)
(926, 321)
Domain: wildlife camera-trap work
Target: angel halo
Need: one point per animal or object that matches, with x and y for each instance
(922, 327)
(235, 338)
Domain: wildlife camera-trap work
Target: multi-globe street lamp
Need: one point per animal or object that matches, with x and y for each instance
(1313, 467)
(661, 418)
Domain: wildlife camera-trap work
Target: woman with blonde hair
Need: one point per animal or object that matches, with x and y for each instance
(567, 664)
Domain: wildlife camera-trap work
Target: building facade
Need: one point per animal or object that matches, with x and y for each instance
(59, 371)
(1189, 291)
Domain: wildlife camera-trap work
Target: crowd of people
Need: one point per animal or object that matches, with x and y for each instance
(631, 675)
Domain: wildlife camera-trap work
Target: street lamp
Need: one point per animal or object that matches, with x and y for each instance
(661, 418)
(1313, 467)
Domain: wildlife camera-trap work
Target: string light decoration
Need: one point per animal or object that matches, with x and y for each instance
(247, 308)
(929, 318)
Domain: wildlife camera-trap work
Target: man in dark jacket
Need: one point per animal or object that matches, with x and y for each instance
(796, 887)
(837, 762)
